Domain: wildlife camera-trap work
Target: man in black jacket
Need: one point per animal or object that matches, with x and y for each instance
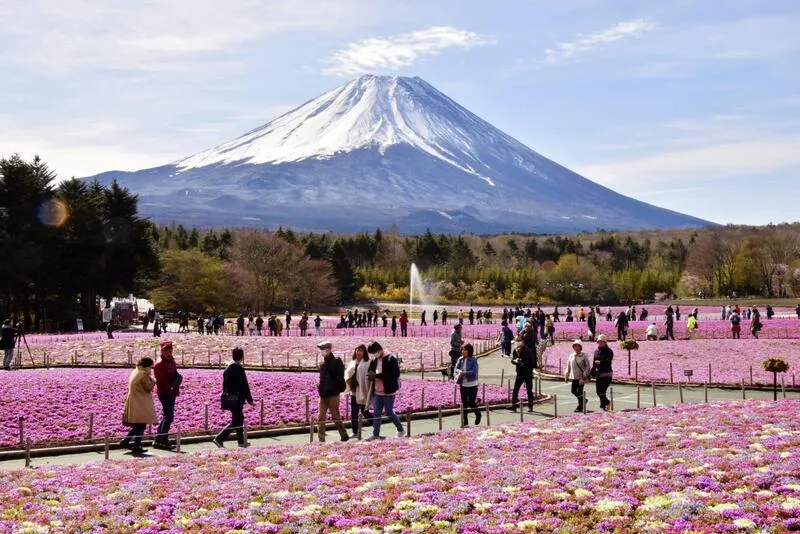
(524, 358)
(384, 374)
(331, 385)
(234, 382)
(592, 324)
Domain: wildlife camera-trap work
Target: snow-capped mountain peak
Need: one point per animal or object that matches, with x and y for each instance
(370, 111)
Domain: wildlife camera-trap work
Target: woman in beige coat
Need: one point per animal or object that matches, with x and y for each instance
(139, 408)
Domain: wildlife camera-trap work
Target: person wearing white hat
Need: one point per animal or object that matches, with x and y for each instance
(579, 371)
(601, 369)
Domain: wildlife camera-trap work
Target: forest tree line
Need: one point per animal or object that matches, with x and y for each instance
(67, 244)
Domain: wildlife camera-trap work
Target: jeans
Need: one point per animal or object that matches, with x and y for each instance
(469, 397)
(8, 358)
(331, 404)
(355, 409)
(602, 386)
(168, 415)
(136, 432)
(379, 404)
(577, 390)
(237, 423)
(526, 379)
(505, 348)
(403, 330)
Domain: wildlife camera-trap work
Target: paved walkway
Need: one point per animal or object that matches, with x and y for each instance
(492, 368)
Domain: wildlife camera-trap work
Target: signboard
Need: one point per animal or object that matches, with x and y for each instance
(688, 372)
(107, 315)
(79, 322)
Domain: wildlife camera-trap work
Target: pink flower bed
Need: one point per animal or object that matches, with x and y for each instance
(215, 350)
(56, 403)
(731, 467)
(730, 359)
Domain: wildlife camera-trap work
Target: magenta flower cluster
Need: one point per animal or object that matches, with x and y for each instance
(729, 467)
(56, 404)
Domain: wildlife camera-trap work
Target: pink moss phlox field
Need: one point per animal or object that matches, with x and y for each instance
(56, 403)
(215, 350)
(732, 467)
(730, 359)
(784, 328)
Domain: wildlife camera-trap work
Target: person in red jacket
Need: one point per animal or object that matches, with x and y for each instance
(168, 382)
(403, 324)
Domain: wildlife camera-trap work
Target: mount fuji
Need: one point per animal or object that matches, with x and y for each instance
(381, 151)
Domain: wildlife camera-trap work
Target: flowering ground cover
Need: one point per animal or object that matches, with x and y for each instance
(203, 350)
(784, 328)
(56, 403)
(730, 359)
(731, 467)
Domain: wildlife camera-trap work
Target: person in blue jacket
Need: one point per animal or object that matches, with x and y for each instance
(466, 373)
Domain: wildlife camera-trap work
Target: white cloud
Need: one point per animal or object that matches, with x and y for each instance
(584, 43)
(398, 51)
(71, 35)
(704, 164)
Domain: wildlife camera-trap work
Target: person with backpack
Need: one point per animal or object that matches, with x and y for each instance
(578, 370)
(384, 376)
(331, 386)
(602, 370)
(235, 392)
(356, 377)
(466, 371)
(736, 325)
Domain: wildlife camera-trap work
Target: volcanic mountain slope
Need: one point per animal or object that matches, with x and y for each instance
(379, 151)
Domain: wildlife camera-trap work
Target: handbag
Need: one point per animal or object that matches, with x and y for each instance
(229, 401)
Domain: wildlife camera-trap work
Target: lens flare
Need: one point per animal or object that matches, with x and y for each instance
(54, 213)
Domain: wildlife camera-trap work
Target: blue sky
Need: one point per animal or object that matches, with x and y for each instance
(693, 106)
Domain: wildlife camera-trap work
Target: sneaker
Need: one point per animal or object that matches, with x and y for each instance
(163, 445)
(138, 451)
(401, 434)
(353, 436)
(218, 443)
(125, 444)
(345, 438)
(244, 445)
(374, 438)
(578, 409)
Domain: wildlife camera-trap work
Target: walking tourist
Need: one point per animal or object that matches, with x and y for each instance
(317, 325)
(357, 382)
(139, 408)
(259, 324)
(422, 321)
(455, 347)
(591, 323)
(755, 325)
(331, 386)
(524, 359)
(601, 369)
(394, 326)
(435, 316)
(466, 371)
(168, 382)
(669, 323)
(384, 375)
(622, 325)
(240, 325)
(235, 392)
(550, 330)
(578, 370)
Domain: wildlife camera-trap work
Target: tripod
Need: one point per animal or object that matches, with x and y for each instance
(21, 339)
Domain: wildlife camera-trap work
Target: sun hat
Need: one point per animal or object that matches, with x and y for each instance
(322, 345)
(578, 342)
(603, 338)
(166, 345)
